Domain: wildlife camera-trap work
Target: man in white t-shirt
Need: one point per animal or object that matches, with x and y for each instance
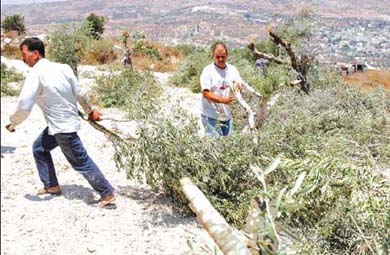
(216, 81)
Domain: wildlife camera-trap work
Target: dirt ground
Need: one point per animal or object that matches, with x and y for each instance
(141, 222)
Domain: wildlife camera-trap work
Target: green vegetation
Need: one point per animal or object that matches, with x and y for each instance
(95, 26)
(187, 49)
(335, 141)
(336, 137)
(68, 45)
(145, 48)
(298, 27)
(189, 71)
(72, 45)
(129, 90)
(7, 76)
(14, 23)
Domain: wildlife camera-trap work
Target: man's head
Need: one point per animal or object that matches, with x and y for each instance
(32, 50)
(220, 54)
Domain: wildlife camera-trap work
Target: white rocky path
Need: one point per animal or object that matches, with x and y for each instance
(142, 222)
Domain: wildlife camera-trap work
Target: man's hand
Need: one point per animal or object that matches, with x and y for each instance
(230, 100)
(94, 115)
(237, 87)
(10, 128)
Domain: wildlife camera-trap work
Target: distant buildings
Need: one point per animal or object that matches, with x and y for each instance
(353, 41)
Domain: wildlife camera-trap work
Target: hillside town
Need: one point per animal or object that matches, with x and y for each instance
(353, 41)
(361, 34)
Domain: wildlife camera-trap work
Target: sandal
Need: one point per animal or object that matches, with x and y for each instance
(50, 190)
(107, 200)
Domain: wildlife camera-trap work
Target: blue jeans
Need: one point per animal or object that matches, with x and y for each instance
(77, 156)
(215, 127)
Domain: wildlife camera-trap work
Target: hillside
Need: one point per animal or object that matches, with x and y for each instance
(198, 22)
(369, 79)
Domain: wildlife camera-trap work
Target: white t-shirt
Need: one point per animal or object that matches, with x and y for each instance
(218, 81)
(55, 89)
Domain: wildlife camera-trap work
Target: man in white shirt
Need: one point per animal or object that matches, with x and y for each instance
(55, 89)
(216, 81)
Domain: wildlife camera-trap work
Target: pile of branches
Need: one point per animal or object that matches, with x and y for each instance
(330, 189)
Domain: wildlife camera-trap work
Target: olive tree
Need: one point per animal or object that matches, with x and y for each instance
(14, 23)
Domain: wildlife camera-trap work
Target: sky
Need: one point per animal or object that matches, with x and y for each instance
(15, 2)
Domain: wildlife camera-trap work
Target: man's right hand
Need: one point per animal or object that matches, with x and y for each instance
(94, 115)
(10, 128)
(230, 100)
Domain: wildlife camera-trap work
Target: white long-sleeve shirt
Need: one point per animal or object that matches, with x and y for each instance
(55, 89)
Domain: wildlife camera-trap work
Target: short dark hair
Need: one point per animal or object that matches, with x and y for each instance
(214, 46)
(34, 43)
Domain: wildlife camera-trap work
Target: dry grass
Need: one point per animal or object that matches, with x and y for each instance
(11, 51)
(170, 58)
(141, 62)
(369, 79)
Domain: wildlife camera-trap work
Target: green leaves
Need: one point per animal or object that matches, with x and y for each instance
(330, 151)
(129, 90)
(14, 23)
(95, 25)
(9, 75)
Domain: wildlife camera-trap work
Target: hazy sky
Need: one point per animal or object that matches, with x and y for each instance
(4, 2)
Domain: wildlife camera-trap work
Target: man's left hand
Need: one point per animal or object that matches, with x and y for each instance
(10, 128)
(239, 87)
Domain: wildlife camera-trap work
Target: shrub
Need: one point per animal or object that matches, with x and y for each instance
(95, 26)
(186, 49)
(100, 52)
(9, 75)
(68, 45)
(145, 48)
(11, 51)
(190, 69)
(14, 23)
(129, 90)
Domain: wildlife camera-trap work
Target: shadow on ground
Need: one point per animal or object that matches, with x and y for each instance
(70, 192)
(158, 205)
(7, 150)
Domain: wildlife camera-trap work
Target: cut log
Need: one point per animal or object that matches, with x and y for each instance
(221, 232)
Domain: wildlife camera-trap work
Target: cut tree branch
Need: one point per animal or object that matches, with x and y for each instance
(270, 57)
(212, 221)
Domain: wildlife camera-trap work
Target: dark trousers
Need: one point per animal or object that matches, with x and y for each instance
(77, 156)
(215, 127)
